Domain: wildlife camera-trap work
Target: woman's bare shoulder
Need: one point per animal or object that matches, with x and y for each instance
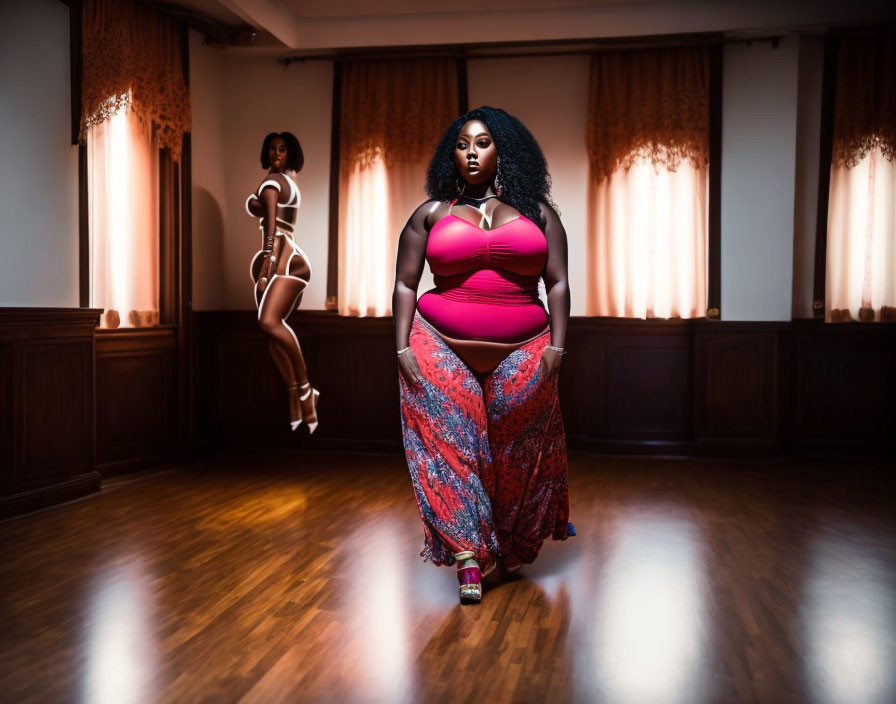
(550, 215)
(428, 213)
(272, 178)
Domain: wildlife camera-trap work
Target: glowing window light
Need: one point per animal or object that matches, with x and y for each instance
(366, 252)
(123, 209)
(861, 245)
(649, 248)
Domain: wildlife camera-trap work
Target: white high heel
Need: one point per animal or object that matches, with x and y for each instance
(294, 389)
(315, 395)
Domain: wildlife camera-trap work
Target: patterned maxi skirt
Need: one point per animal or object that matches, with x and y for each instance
(487, 460)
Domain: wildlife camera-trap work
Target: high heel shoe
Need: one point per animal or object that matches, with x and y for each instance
(469, 575)
(295, 406)
(313, 395)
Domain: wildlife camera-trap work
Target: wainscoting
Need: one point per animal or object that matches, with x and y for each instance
(673, 387)
(700, 388)
(240, 397)
(46, 407)
(78, 404)
(135, 398)
(843, 387)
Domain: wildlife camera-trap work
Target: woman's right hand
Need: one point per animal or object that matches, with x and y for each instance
(410, 370)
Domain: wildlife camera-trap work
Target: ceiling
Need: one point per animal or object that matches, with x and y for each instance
(304, 9)
(315, 25)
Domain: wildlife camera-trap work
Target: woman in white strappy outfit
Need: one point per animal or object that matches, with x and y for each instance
(280, 270)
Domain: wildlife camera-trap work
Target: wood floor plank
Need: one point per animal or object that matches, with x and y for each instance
(297, 578)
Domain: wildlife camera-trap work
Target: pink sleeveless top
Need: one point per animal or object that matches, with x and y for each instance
(486, 280)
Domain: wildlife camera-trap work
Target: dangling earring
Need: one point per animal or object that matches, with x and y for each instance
(499, 188)
(460, 188)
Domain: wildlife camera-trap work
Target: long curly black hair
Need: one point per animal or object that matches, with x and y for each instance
(524, 173)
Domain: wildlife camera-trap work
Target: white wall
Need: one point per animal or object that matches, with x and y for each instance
(39, 172)
(207, 76)
(759, 111)
(237, 99)
(555, 113)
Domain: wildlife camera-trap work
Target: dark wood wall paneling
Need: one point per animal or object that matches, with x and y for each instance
(626, 384)
(136, 398)
(704, 388)
(738, 387)
(241, 398)
(46, 406)
(76, 402)
(843, 387)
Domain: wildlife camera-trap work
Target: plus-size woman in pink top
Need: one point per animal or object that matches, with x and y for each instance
(478, 355)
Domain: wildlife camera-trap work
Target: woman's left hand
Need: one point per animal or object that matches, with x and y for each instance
(266, 273)
(550, 363)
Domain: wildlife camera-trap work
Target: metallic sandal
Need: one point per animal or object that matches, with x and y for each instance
(469, 575)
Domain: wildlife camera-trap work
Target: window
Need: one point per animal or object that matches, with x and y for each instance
(381, 167)
(860, 247)
(861, 256)
(123, 207)
(135, 109)
(648, 140)
(648, 238)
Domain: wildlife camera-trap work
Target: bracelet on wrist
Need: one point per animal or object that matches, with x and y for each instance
(559, 350)
(401, 352)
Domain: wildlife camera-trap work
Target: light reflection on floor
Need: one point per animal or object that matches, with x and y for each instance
(648, 637)
(119, 637)
(378, 631)
(849, 618)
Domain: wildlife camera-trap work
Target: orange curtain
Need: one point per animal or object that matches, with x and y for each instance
(393, 113)
(132, 59)
(134, 102)
(861, 244)
(648, 147)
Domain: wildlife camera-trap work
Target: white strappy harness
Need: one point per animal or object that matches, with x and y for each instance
(295, 199)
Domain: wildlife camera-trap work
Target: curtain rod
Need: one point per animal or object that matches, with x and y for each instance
(511, 50)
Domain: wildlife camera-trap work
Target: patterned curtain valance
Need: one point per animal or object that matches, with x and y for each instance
(650, 104)
(395, 109)
(865, 103)
(132, 60)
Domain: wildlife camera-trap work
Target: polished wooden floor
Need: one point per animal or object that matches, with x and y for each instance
(293, 578)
